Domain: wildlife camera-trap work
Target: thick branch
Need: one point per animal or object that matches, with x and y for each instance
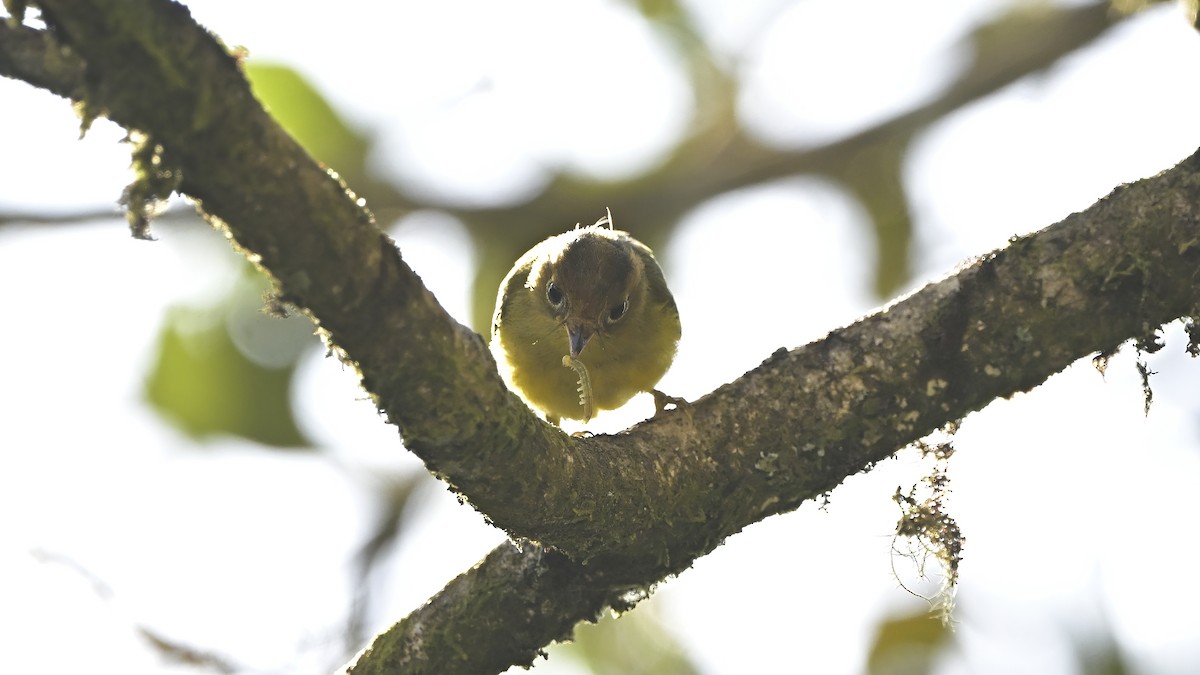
(625, 510)
(798, 424)
(37, 58)
(497, 614)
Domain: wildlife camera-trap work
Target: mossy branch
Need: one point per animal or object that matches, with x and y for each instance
(621, 512)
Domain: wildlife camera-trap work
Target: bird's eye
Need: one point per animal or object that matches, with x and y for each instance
(554, 295)
(618, 311)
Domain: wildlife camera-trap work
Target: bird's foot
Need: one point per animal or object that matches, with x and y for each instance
(664, 403)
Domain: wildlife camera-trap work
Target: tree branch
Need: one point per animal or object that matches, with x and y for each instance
(625, 511)
(499, 613)
(797, 425)
(644, 504)
(36, 57)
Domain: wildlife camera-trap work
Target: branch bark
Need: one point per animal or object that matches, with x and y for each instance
(805, 419)
(616, 513)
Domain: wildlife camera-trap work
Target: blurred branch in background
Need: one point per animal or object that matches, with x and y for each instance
(717, 155)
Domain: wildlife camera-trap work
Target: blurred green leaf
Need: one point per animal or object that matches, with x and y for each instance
(635, 644)
(227, 370)
(310, 119)
(908, 644)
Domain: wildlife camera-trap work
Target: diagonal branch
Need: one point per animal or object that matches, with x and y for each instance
(37, 58)
(625, 510)
(805, 419)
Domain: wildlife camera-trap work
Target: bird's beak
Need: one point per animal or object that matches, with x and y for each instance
(578, 334)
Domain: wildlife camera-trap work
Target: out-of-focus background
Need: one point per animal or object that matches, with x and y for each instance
(186, 483)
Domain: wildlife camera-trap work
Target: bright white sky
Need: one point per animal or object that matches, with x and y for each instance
(1076, 507)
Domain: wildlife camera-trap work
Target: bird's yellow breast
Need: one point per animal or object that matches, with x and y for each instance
(624, 357)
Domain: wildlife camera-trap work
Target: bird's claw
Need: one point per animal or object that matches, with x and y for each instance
(662, 401)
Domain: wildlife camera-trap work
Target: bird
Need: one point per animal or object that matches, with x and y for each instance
(584, 320)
